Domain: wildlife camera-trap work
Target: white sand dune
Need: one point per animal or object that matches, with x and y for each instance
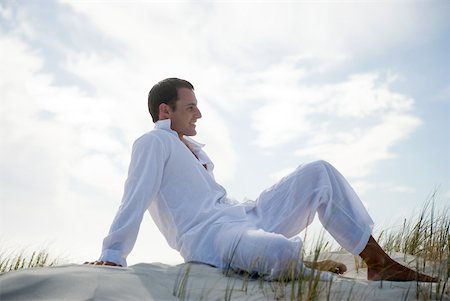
(194, 282)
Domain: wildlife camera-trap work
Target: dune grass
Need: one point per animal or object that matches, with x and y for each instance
(22, 260)
(426, 235)
(426, 239)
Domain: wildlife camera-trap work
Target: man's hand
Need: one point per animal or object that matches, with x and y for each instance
(100, 262)
(327, 265)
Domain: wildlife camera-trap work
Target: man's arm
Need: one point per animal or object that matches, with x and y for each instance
(141, 187)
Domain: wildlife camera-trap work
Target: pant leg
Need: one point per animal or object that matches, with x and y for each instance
(269, 255)
(289, 206)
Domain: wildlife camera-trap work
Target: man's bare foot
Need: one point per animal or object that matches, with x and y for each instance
(327, 265)
(100, 262)
(382, 267)
(394, 271)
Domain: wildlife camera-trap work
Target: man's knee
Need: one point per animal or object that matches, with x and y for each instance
(321, 163)
(315, 166)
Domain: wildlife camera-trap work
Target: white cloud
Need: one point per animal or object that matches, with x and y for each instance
(443, 95)
(358, 154)
(391, 187)
(55, 169)
(403, 189)
(204, 34)
(361, 187)
(447, 195)
(353, 124)
(282, 173)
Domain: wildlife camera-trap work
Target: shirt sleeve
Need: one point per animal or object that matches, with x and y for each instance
(141, 187)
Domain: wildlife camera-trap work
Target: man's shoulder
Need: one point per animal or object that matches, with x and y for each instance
(152, 137)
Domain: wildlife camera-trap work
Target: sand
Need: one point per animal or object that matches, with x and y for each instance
(158, 281)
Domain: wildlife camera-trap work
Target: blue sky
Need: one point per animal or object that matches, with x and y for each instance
(364, 85)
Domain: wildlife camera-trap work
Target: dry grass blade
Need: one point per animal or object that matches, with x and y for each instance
(37, 259)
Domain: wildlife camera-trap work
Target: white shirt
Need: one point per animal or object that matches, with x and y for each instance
(187, 204)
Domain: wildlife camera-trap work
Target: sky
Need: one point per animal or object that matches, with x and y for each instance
(364, 85)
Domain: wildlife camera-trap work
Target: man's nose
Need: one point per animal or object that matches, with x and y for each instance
(198, 114)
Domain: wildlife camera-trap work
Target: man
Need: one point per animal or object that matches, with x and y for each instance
(172, 177)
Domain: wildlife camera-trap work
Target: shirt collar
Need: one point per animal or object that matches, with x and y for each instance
(165, 125)
(194, 144)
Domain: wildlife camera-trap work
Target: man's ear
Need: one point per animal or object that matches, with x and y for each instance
(163, 111)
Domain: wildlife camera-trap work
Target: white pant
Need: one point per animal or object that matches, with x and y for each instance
(288, 207)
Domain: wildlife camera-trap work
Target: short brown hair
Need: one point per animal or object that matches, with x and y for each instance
(166, 91)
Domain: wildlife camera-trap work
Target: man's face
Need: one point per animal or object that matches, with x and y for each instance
(186, 113)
